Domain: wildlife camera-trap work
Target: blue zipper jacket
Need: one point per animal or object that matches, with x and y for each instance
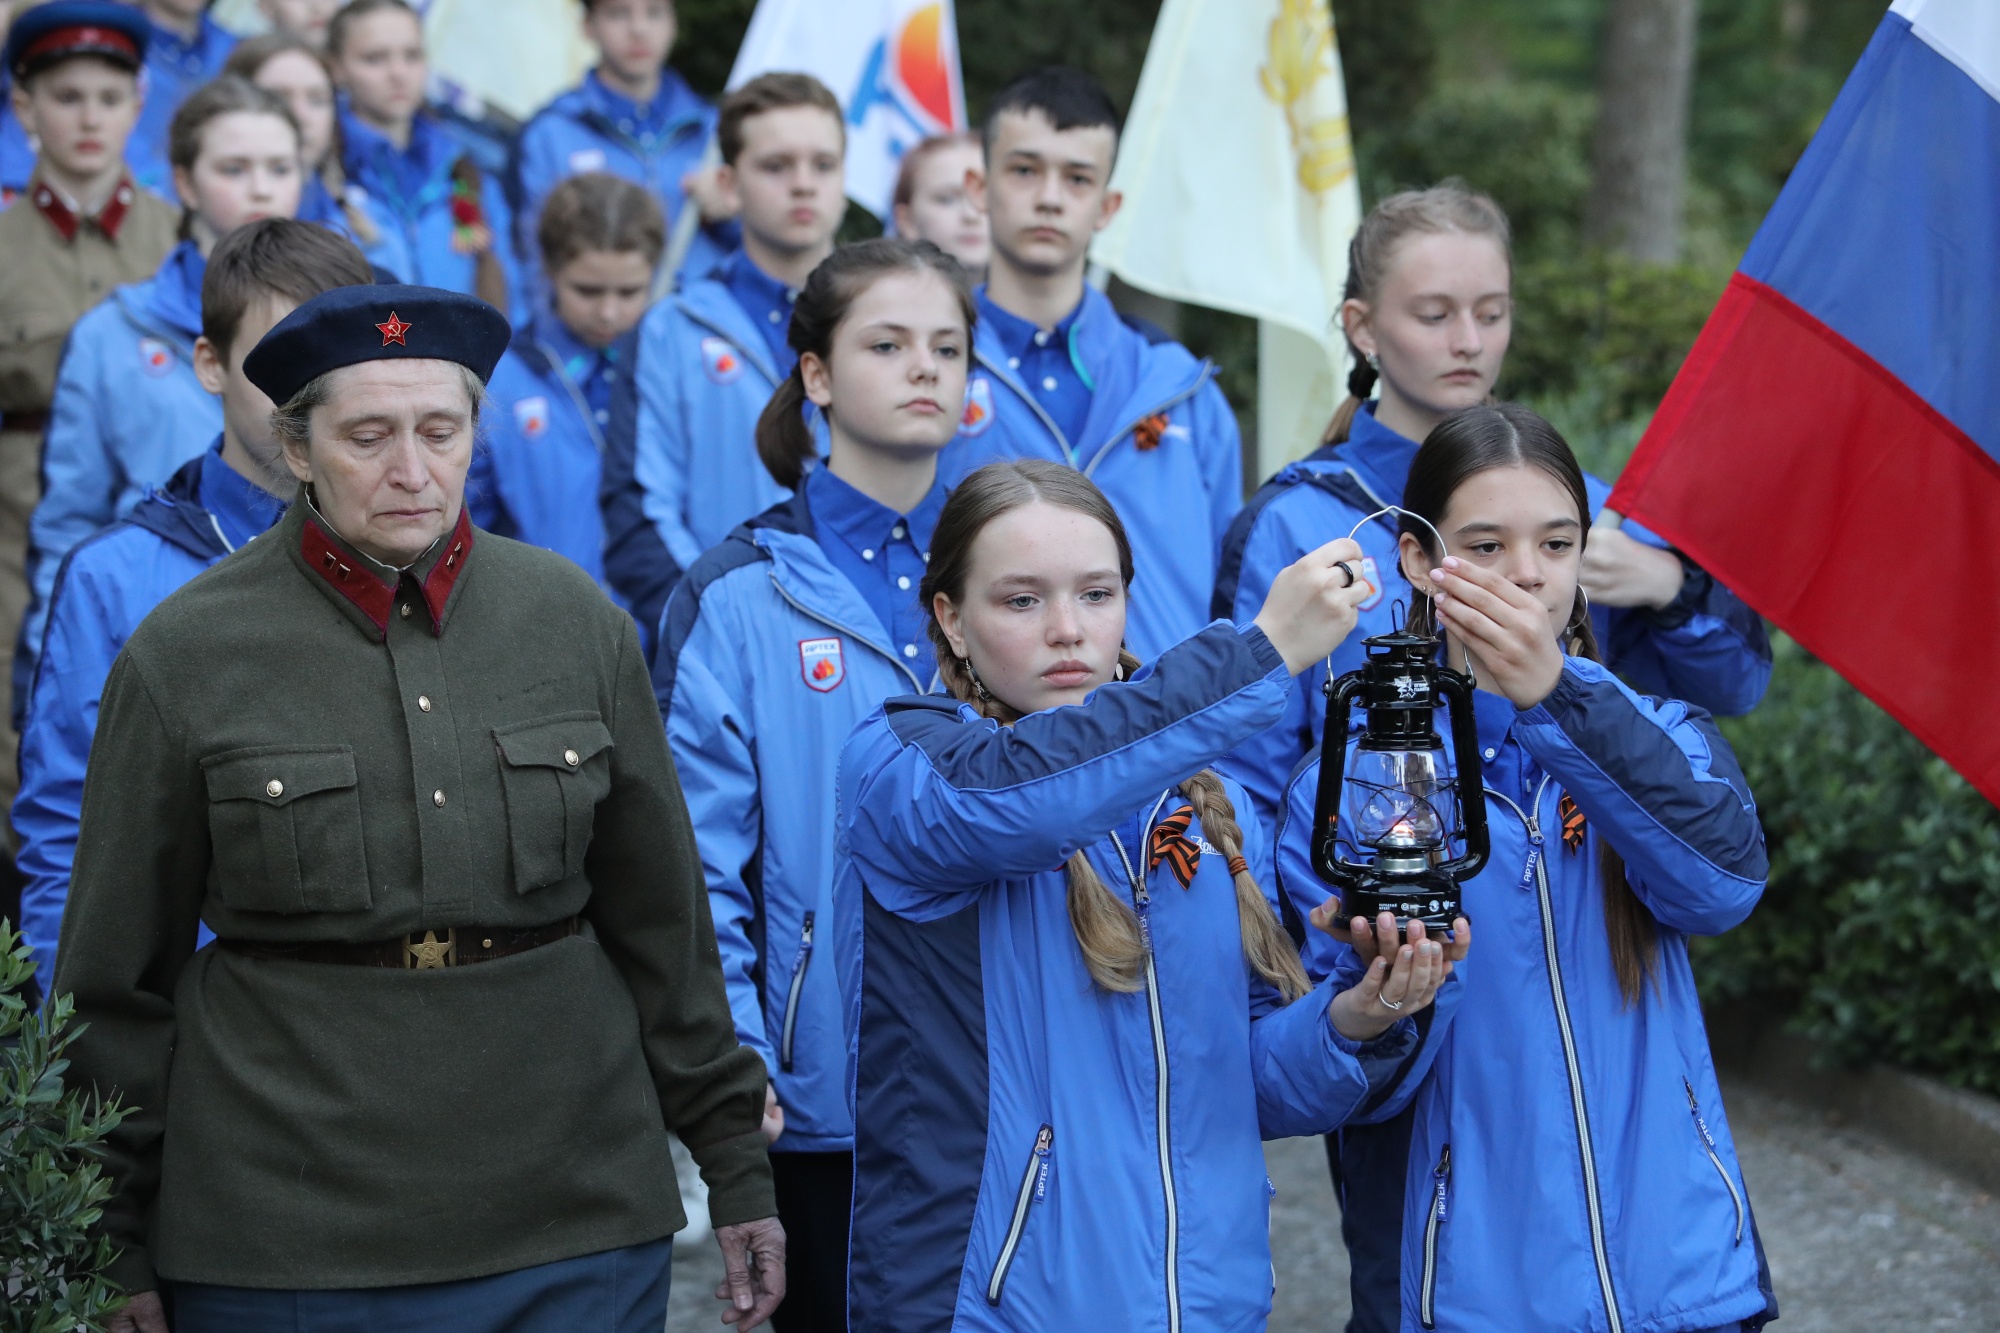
(1032, 1152)
(1552, 1159)
(174, 68)
(1161, 442)
(408, 196)
(106, 586)
(1707, 647)
(127, 412)
(538, 470)
(680, 465)
(592, 128)
(17, 155)
(756, 736)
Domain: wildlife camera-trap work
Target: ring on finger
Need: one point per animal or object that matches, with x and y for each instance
(1388, 1003)
(1347, 570)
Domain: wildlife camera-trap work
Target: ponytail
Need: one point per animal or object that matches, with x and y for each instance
(784, 440)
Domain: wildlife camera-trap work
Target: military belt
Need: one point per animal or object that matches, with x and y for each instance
(454, 946)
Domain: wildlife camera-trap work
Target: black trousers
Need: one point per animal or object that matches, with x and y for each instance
(815, 1199)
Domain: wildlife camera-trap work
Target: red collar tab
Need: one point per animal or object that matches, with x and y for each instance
(345, 575)
(109, 218)
(444, 574)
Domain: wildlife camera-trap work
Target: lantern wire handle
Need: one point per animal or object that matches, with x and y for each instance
(1407, 513)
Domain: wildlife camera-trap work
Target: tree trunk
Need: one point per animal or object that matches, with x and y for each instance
(1639, 155)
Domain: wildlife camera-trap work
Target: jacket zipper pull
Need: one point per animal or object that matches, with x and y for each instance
(1694, 1109)
(1043, 1142)
(1438, 1178)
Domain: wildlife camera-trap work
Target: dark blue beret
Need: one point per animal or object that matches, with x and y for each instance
(383, 322)
(64, 28)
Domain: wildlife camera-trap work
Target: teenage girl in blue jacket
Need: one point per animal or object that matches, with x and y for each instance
(1061, 1087)
(1429, 305)
(439, 219)
(1557, 1157)
(537, 474)
(128, 409)
(780, 640)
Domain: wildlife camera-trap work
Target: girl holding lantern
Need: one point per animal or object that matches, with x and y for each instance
(1557, 1155)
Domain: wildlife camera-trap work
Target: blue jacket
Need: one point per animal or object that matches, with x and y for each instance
(592, 128)
(1707, 647)
(1031, 1151)
(1160, 441)
(1551, 1151)
(408, 197)
(680, 465)
(537, 472)
(756, 738)
(17, 155)
(106, 586)
(127, 412)
(174, 68)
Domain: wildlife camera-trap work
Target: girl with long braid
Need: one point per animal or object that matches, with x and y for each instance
(1073, 1012)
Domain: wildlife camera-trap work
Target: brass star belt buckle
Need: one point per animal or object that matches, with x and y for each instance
(431, 951)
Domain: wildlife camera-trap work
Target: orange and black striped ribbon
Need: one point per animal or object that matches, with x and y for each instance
(1572, 820)
(1170, 843)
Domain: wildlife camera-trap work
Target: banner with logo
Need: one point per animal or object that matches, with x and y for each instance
(1238, 176)
(892, 63)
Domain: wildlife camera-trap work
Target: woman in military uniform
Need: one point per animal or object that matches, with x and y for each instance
(413, 778)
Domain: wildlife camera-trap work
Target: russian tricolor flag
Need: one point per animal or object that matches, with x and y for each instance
(1831, 448)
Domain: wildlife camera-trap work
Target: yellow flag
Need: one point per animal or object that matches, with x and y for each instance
(1238, 175)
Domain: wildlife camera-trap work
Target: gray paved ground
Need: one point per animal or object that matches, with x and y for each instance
(1862, 1237)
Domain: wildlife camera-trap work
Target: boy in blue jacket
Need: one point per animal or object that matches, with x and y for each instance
(681, 465)
(631, 116)
(212, 505)
(536, 476)
(1061, 377)
(187, 49)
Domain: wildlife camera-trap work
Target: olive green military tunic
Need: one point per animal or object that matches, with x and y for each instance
(294, 751)
(54, 266)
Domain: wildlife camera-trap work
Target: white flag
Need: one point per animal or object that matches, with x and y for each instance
(1238, 176)
(892, 63)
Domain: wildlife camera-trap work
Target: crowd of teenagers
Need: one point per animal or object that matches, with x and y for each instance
(995, 708)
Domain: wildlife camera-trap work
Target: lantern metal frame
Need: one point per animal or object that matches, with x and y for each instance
(1401, 685)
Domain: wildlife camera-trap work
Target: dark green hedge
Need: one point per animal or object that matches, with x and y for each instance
(1881, 925)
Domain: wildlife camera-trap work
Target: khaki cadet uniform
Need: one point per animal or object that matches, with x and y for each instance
(466, 979)
(54, 266)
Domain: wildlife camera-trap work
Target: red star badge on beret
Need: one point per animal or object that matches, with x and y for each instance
(393, 331)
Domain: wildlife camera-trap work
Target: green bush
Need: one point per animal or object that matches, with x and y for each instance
(52, 1190)
(1881, 925)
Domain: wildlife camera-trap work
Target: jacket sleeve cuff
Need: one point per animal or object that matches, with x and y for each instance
(132, 1270)
(1261, 648)
(1695, 585)
(1568, 690)
(738, 1174)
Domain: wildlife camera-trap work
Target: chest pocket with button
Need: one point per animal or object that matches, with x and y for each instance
(553, 772)
(285, 827)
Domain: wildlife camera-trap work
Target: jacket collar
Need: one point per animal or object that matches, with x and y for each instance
(361, 587)
(709, 303)
(674, 108)
(1380, 457)
(807, 578)
(170, 300)
(64, 219)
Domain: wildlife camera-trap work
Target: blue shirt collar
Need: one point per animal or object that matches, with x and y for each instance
(865, 523)
(1380, 455)
(636, 117)
(1017, 335)
(175, 299)
(241, 509)
(363, 143)
(761, 296)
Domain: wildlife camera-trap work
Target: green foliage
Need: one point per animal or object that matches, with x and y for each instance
(1882, 920)
(52, 1190)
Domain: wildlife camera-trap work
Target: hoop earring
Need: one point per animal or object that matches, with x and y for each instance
(978, 685)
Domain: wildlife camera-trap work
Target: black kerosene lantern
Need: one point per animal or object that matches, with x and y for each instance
(1399, 802)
